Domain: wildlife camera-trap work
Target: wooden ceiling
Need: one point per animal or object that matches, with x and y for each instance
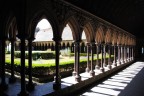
(126, 14)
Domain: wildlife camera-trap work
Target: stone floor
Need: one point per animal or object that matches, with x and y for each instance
(128, 82)
(46, 88)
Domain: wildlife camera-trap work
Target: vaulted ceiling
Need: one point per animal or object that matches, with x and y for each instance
(126, 14)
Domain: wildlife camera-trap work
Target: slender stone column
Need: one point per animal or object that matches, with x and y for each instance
(114, 62)
(92, 73)
(30, 86)
(104, 55)
(88, 48)
(125, 54)
(57, 78)
(128, 53)
(119, 56)
(3, 85)
(102, 59)
(132, 52)
(23, 82)
(12, 78)
(109, 59)
(77, 45)
(122, 55)
(97, 61)
(75, 55)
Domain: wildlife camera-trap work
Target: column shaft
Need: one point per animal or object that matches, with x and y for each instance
(57, 84)
(75, 55)
(102, 58)
(23, 83)
(109, 59)
(77, 77)
(114, 62)
(104, 55)
(3, 85)
(92, 73)
(88, 47)
(30, 85)
(12, 79)
(97, 61)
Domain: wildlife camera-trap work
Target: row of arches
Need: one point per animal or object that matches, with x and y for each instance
(19, 24)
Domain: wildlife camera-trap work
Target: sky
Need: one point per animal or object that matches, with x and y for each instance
(44, 24)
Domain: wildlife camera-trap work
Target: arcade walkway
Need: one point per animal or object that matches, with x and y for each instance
(128, 82)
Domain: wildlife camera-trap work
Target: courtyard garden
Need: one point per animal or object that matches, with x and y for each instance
(43, 63)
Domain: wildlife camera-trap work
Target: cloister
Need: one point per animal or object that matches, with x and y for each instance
(20, 18)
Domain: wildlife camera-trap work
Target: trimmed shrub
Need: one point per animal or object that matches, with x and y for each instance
(37, 55)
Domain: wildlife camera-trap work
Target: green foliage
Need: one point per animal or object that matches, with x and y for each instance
(37, 55)
(66, 52)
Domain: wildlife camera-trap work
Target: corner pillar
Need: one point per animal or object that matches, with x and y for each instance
(3, 85)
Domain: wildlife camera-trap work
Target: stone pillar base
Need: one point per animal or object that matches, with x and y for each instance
(109, 67)
(74, 73)
(57, 86)
(30, 86)
(118, 63)
(102, 70)
(105, 65)
(12, 80)
(23, 93)
(114, 64)
(78, 78)
(97, 67)
(92, 73)
(87, 69)
(3, 87)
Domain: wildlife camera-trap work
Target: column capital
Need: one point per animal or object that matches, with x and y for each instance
(109, 43)
(31, 39)
(97, 44)
(88, 43)
(92, 43)
(4, 38)
(22, 36)
(57, 39)
(12, 39)
(118, 44)
(77, 42)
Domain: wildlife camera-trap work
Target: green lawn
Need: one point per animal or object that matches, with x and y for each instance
(50, 62)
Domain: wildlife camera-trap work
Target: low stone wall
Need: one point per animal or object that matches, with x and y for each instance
(70, 89)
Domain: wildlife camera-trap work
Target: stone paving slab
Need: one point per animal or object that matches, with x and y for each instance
(128, 82)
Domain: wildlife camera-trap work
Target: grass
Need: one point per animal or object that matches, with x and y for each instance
(50, 62)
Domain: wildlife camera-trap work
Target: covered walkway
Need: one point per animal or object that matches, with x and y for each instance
(128, 82)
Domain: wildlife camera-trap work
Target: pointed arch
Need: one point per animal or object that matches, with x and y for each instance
(119, 38)
(108, 36)
(89, 32)
(123, 39)
(99, 38)
(74, 26)
(114, 37)
(11, 26)
(39, 15)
